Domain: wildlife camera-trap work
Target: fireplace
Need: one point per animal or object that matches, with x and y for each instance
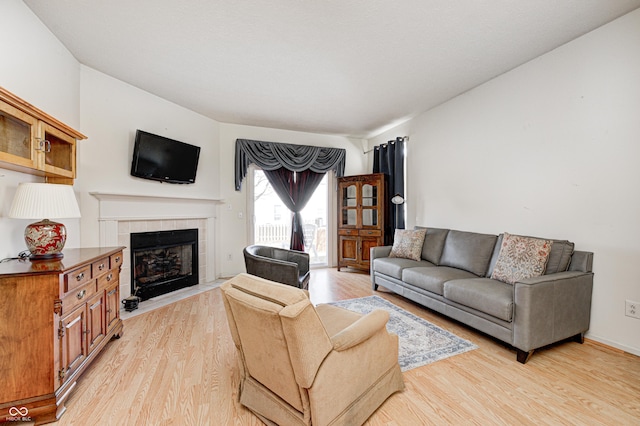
(163, 261)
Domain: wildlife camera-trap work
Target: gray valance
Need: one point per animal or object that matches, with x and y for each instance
(297, 158)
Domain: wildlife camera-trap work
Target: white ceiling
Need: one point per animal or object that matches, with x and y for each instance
(348, 67)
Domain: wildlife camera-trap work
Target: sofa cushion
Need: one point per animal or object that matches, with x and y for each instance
(432, 279)
(494, 256)
(433, 244)
(469, 251)
(560, 256)
(520, 258)
(492, 297)
(393, 266)
(407, 243)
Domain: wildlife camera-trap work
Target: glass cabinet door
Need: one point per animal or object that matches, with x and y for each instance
(17, 131)
(369, 205)
(59, 152)
(349, 205)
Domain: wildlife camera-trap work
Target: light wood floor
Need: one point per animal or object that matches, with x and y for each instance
(177, 366)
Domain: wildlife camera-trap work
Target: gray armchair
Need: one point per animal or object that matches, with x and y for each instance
(280, 265)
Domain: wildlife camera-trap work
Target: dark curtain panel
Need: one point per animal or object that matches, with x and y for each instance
(297, 158)
(389, 159)
(295, 190)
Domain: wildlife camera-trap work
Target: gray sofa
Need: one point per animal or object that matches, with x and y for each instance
(453, 278)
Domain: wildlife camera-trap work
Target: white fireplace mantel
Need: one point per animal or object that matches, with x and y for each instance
(122, 206)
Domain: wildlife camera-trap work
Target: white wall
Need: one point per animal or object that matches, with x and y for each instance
(549, 149)
(36, 67)
(233, 230)
(112, 111)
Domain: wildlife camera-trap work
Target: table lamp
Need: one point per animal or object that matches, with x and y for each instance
(45, 239)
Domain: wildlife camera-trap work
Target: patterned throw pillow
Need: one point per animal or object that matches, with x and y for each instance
(408, 243)
(520, 258)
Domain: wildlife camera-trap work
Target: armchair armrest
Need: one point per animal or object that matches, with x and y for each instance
(301, 259)
(360, 330)
(550, 308)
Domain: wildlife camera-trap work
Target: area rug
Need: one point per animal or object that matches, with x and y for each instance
(421, 342)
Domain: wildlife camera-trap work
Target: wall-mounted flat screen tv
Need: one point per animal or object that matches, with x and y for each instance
(163, 159)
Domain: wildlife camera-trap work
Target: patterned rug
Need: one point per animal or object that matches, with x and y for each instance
(421, 342)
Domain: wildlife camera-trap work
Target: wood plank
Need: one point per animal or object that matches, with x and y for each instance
(178, 365)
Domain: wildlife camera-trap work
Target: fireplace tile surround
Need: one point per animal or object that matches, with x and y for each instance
(126, 227)
(122, 214)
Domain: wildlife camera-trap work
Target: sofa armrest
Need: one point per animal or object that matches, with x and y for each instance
(380, 251)
(360, 330)
(550, 308)
(375, 253)
(581, 261)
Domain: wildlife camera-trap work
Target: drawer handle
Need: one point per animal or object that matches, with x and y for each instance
(112, 292)
(109, 277)
(117, 259)
(80, 277)
(101, 267)
(81, 294)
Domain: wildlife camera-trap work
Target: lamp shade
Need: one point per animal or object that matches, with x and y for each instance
(45, 239)
(397, 199)
(44, 201)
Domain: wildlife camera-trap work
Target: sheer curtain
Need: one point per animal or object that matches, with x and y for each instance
(389, 159)
(295, 190)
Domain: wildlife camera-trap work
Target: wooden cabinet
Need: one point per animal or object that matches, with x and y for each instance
(361, 218)
(55, 318)
(32, 141)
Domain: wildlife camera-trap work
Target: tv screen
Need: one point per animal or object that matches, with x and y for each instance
(163, 159)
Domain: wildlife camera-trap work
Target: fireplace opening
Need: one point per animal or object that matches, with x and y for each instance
(163, 261)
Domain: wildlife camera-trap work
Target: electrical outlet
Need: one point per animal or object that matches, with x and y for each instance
(228, 256)
(632, 309)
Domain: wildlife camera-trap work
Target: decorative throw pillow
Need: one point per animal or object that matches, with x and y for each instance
(520, 258)
(407, 243)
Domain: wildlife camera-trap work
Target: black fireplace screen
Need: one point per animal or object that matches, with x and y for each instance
(163, 261)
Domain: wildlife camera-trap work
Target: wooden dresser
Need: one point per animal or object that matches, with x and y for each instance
(55, 318)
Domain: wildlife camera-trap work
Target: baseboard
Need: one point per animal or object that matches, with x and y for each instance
(613, 346)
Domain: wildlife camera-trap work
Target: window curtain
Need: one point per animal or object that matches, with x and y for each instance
(294, 171)
(389, 159)
(297, 158)
(295, 190)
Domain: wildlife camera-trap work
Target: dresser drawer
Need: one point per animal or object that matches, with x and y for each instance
(100, 267)
(107, 279)
(347, 232)
(370, 233)
(115, 260)
(78, 296)
(77, 278)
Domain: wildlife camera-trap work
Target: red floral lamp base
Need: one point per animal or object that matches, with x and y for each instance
(45, 239)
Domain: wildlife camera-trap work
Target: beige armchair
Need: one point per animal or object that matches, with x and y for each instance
(306, 365)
